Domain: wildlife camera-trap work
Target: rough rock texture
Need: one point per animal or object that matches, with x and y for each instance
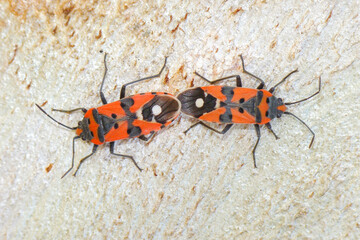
(201, 185)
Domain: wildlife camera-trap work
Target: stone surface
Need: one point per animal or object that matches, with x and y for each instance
(200, 185)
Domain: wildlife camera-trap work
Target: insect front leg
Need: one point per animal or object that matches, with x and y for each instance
(72, 161)
(82, 160)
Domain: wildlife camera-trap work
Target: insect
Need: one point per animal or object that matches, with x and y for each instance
(130, 117)
(230, 105)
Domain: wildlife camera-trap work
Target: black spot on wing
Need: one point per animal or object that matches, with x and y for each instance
(228, 92)
(147, 113)
(188, 102)
(226, 117)
(126, 103)
(133, 131)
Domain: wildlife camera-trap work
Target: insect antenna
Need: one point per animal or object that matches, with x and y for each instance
(312, 140)
(71, 128)
(302, 100)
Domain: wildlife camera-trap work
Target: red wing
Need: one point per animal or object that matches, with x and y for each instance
(140, 100)
(147, 127)
(243, 93)
(112, 108)
(121, 132)
(215, 91)
(245, 117)
(213, 116)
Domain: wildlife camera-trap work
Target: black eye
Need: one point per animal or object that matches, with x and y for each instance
(241, 110)
(113, 115)
(267, 113)
(89, 121)
(116, 126)
(242, 100)
(267, 100)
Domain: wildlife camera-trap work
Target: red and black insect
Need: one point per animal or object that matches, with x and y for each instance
(130, 117)
(229, 105)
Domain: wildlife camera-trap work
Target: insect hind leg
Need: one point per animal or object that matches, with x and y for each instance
(238, 79)
(122, 155)
(146, 138)
(226, 128)
(123, 88)
(262, 83)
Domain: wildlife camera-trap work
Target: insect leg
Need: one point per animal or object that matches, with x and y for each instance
(283, 80)
(226, 128)
(69, 111)
(82, 160)
(238, 79)
(262, 84)
(123, 88)
(257, 129)
(268, 125)
(103, 99)
(72, 161)
(144, 138)
(121, 155)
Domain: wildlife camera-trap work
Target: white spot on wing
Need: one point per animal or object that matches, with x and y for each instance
(156, 110)
(199, 102)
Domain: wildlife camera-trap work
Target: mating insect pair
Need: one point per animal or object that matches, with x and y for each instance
(147, 113)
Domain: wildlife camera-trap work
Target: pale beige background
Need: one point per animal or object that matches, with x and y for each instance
(199, 186)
